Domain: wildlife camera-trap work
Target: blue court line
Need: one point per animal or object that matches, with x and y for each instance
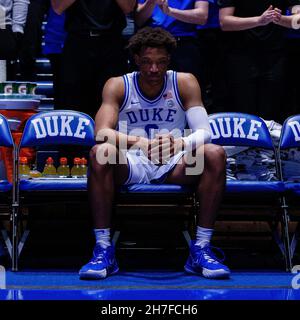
(145, 279)
(180, 294)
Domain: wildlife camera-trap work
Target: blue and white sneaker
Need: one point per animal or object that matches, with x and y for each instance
(102, 264)
(204, 262)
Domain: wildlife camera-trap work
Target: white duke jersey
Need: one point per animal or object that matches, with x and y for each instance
(140, 116)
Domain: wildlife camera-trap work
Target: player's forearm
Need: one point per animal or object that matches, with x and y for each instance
(144, 12)
(127, 6)
(119, 139)
(195, 16)
(288, 21)
(232, 23)
(59, 6)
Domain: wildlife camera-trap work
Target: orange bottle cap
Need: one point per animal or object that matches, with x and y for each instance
(23, 160)
(49, 160)
(77, 160)
(83, 161)
(63, 160)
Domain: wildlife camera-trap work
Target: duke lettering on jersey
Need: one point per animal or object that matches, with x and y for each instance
(60, 126)
(234, 128)
(165, 112)
(153, 115)
(295, 126)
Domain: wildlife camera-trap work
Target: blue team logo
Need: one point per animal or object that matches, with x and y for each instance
(169, 99)
(170, 103)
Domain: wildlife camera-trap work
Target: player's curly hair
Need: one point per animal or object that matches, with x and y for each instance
(151, 37)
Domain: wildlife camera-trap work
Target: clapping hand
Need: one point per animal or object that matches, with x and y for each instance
(164, 6)
(270, 15)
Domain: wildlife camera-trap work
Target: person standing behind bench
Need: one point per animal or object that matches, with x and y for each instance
(256, 57)
(93, 50)
(13, 15)
(179, 17)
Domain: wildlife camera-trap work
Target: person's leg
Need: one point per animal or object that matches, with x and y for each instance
(219, 81)
(103, 177)
(241, 73)
(113, 63)
(188, 58)
(77, 87)
(271, 86)
(32, 39)
(8, 51)
(55, 61)
(102, 180)
(7, 45)
(209, 185)
(209, 189)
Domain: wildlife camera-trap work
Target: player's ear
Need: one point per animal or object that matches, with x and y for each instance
(136, 59)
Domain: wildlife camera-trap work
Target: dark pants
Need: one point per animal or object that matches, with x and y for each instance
(211, 59)
(185, 58)
(256, 82)
(87, 62)
(292, 83)
(32, 39)
(8, 45)
(9, 51)
(55, 62)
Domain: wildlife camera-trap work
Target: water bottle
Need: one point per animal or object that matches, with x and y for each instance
(84, 167)
(49, 169)
(76, 171)
(24, 169)
(63, 170)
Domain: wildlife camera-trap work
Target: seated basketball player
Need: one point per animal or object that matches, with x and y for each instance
(140, 133)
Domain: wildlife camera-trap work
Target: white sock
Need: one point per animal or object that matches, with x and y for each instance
(103, 237)
(203, 236)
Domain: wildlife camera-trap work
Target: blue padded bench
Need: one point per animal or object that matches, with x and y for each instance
(239, 129)
(53, 184)
(156, 189)
(5, 186)
(6, 140)
(44, 129)
(290, 138)
(257, 188)
(292, 189)
(7, 194)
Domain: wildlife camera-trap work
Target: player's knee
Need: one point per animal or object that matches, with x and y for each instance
(215, 155)
(103, 154)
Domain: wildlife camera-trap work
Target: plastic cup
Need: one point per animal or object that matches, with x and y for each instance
(6, 87)
(22, 88)
(19, 87)
(31, 86)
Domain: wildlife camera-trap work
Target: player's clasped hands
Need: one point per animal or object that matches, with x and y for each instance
(163, 147)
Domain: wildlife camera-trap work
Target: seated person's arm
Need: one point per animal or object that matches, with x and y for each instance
(196, 115)
(198, 15)
(230, 22)
(127, 6)
(291, 21)
(107, 117)
(59, 6)
(144, 12)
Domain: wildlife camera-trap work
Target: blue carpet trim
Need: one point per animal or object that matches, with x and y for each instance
(200, 295)
(147, 285)
(145, 280)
